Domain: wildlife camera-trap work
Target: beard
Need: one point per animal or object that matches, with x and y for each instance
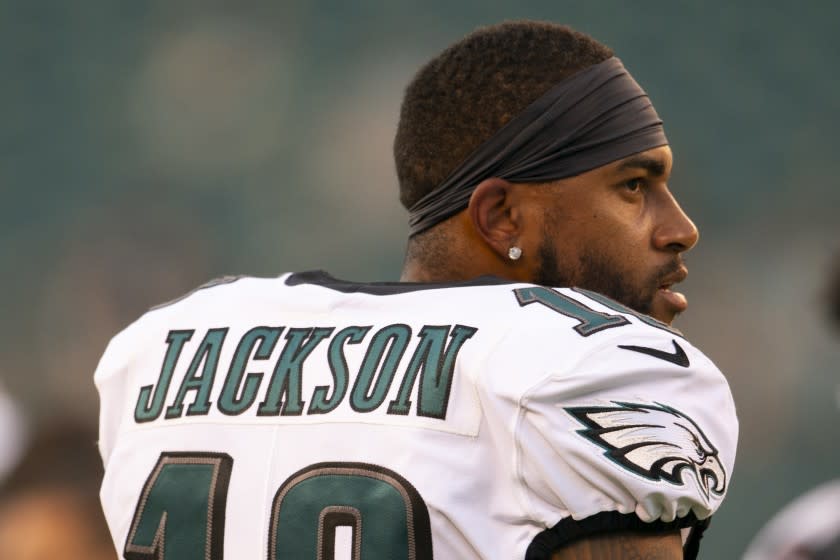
(598, 272)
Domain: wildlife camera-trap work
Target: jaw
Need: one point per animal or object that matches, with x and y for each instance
(667, 304)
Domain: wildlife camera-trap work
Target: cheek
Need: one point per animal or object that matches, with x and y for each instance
(624, 232)
(625, 246)
(612, 233)
(616, 233)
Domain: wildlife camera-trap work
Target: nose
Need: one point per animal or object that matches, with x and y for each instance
(675, 232)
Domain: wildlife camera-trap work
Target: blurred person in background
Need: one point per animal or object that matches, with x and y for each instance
(12, 434)
(49, 506)
(470, 411)
(809, 527)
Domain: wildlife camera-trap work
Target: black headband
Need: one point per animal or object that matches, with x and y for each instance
(592, 118)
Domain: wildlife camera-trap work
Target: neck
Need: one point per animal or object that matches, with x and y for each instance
(452, 266)
(415, 270)
(452, 252)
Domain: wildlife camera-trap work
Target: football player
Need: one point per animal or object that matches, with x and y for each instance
(520, 393)
(809, 527)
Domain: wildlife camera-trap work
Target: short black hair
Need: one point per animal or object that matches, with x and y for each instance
(459, 99)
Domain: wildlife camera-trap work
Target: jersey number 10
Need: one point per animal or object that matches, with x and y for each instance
(180, 514)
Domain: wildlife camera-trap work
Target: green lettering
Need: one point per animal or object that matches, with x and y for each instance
(395, 337)
(321, 403)
(286, 379)
(146, 411)
(208, 353)
(438, 365)
(232, 401)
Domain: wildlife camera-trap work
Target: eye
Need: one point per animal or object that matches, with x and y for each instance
(634, 185)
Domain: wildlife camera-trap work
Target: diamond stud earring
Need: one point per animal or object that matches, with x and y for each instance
(514, 253)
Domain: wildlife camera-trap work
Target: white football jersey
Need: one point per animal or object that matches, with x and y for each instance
(304, 417)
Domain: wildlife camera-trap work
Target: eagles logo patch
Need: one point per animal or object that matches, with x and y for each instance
(655, 441)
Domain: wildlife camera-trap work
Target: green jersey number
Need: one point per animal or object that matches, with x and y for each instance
(180, 514)
(313, 502)
(589, 320)
(181, 510)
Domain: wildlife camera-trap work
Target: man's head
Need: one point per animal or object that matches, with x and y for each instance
(463, 96)
(615, 228)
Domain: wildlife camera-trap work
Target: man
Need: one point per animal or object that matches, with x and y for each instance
(469, 411)
(808, 528)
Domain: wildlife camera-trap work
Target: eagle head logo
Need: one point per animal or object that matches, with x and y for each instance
(655, 441)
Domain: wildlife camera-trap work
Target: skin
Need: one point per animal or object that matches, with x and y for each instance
(616, 230)
(627, 546)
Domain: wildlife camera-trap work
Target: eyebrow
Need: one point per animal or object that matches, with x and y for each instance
(654, 166)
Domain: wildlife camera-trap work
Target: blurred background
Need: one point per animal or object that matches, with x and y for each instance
(146, 147)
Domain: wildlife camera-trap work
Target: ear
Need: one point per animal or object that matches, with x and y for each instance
(495, 214)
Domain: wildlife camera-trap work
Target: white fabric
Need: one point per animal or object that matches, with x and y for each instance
(12, 434)
(810, 523)
(508, 461)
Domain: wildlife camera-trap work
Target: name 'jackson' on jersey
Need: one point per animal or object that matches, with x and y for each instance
(305, 417)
